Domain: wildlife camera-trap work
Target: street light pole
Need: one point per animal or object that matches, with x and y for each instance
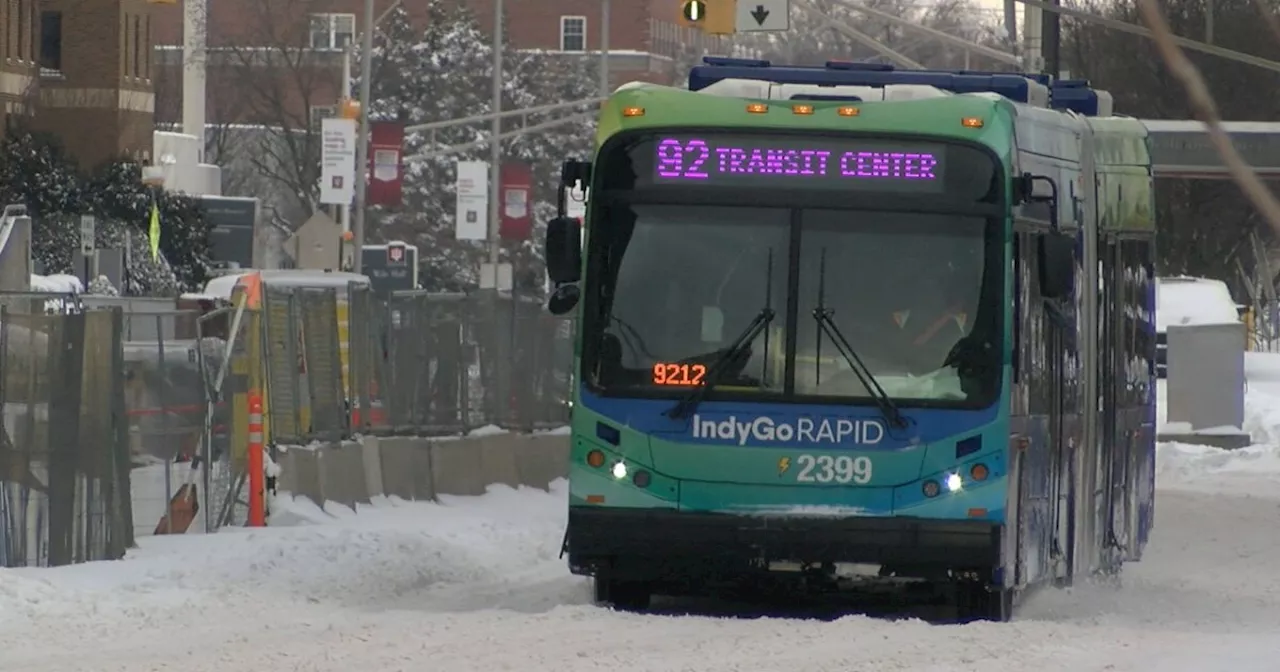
(604, 48)
(495, 144)
(362, 138)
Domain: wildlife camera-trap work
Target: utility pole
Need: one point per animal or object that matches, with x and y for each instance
(362, 139)
(343, 213)
(495, 143)
(1052, 44)
(604, 48)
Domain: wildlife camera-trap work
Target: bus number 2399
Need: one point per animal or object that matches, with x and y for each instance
(842, 469)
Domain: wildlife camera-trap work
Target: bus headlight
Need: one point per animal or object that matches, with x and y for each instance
(619, 470)
(954, 482)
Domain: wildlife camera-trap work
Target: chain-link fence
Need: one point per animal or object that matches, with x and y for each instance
(334, 362)
(64, 451)
(342, 362)
(457, 362)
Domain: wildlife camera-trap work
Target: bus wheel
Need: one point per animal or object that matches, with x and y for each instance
(976, 601)
(622, 595)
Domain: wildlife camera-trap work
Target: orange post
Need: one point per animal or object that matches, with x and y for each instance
(257, 464)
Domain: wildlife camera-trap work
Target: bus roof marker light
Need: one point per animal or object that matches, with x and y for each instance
(633, 111)
(802, 109)
(848, 111)
(972, 122)
(757, 108)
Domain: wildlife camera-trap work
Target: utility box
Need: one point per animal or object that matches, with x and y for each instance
(1206, 385)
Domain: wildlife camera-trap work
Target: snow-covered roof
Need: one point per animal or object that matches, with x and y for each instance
(1185, 300)
(58, 283)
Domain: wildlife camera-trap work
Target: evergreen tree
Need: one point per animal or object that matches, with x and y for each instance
(443, 73)
(36, 172)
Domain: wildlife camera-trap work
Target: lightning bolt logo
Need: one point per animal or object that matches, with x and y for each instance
(783, 465)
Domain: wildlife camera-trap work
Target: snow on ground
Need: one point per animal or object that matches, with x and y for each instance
(476, 584)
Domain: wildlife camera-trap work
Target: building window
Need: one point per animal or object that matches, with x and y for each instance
(147, 45)
(21, 36)
(573, 33)
(51, 40)
(332, 31)
(137, 46)
(321, 112)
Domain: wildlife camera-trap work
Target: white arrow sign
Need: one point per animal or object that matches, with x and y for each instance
(763, 16)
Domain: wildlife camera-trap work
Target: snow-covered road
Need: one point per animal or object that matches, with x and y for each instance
(476, 584)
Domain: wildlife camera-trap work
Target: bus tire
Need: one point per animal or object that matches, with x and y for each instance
(622, 595)
(977, 601)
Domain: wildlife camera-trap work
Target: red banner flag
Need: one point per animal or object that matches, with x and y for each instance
(516, 182)
(386, 163)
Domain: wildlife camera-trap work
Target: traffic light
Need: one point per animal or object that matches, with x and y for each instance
(714, 17)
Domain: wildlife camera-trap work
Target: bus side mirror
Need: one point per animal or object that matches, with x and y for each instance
(563, 299)
(563, 249)
(1056, 250)
(1057, 254)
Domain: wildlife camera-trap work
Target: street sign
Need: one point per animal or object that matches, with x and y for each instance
(395, 255)
(471, 218)
(337, 161)
(87, 225)
(391, 267)
(763, 16)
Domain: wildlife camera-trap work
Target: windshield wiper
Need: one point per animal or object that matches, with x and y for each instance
(716, 371)
(827, 325)
(734, 352)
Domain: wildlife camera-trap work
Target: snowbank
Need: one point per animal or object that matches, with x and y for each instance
(380, 553)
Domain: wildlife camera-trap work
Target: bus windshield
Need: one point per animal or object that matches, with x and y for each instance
(893, 245)
(905, 291)
(680, 284)
(914, 295)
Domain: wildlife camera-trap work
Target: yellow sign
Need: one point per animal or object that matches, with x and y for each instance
(714, 17)
(694, 11)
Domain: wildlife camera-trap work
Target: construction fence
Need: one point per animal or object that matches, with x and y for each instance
(64, 451)
(421, 364)
(113, 408)
(330, 363)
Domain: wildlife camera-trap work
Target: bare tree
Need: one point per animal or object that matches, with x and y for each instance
(1205, 226)
(267, 79)
(820, 33)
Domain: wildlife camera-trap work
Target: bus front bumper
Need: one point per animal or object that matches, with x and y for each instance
(648, 540)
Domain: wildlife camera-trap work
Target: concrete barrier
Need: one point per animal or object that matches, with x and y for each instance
(419, 468)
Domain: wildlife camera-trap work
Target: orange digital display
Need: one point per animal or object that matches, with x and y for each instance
(679, 375)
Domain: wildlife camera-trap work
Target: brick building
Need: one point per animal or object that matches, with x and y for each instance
(82, 70)
(305, 39)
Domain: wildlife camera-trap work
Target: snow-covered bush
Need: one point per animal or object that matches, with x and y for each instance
(36, 172)
(101, 286)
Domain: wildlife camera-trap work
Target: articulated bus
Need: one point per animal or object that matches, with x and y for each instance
(850, 326)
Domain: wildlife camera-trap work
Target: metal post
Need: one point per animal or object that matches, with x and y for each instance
(362, 137)
(604, 48)
(344, 211)
(495, 142)
(1208, 21)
